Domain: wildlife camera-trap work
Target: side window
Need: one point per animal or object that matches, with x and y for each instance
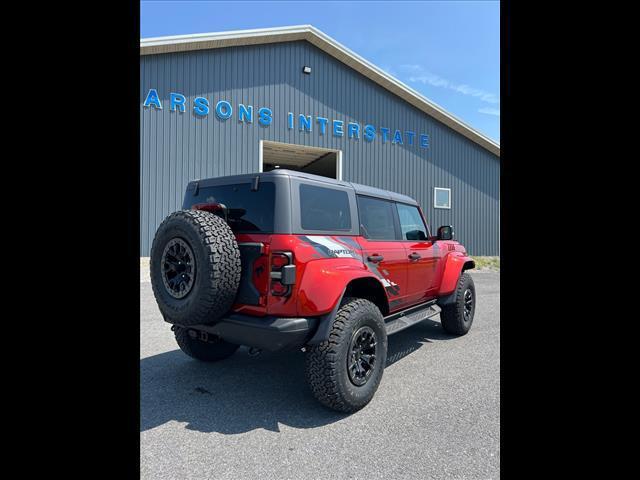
(411, 223)
(376, 218)
(324, 208)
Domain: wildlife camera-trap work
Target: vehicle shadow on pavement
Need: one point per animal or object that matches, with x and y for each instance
(408, 341)
(243, 393)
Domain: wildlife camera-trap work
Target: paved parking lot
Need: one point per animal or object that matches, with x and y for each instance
(435, 415)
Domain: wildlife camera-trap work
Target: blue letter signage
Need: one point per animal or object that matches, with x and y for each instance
(224, 110)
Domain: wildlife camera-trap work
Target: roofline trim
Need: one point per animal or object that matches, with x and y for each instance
(205, 41)
(358, 188)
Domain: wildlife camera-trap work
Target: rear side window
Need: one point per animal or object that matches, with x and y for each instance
(377, 221)
(247, 211)
(411, 223)
(324, 208)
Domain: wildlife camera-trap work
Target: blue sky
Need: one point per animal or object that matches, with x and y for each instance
(448, 51)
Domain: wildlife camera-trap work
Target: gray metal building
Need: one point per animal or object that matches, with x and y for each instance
(292, 97)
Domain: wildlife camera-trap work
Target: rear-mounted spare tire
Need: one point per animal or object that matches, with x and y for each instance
(195, 267)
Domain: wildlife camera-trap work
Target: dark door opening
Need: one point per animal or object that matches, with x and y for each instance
(317, 161)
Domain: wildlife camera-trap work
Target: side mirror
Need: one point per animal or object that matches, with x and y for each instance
(445, 232)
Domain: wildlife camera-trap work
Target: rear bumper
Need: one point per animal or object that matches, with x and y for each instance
(266, 333)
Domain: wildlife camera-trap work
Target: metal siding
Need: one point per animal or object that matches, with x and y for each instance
(178, 147)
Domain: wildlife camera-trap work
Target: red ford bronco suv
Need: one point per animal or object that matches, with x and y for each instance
(286, 260)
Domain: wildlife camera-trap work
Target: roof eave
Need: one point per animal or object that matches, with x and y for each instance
(205, 41)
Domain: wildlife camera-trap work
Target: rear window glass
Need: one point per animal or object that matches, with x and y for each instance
(247, 211)
(324, 208)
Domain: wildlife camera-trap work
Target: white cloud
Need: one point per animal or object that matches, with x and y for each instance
(490, 111)
(420, 75)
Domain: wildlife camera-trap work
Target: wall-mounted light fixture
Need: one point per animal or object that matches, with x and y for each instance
(306, 70)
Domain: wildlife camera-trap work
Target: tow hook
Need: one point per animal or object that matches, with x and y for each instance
(254, 352)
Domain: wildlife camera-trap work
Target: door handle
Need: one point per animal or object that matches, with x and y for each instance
(375, 258)
(415, 256)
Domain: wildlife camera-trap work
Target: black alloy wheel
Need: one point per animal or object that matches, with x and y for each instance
(178, 268)
(468, 305)
(362, 355)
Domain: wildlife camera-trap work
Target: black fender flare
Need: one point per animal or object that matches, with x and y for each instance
(447, 299)
(325, 322)
(451, 298)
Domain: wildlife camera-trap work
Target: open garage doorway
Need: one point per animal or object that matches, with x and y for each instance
(318, 161)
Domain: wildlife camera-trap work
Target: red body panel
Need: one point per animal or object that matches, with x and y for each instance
(325, 264)
(422, 272)
(391, 270)
(323, 284)
(452, 268)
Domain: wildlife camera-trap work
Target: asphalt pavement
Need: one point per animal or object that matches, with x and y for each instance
(436, 414)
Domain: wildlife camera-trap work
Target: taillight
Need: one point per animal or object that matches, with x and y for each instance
(208, 207)
(215, 208)
(279, 290)
(279, 260)
(283, 273)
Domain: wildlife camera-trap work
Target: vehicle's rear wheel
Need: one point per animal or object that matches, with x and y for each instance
(344, 372)
(195, 267)
(207, 349)
(457, 317)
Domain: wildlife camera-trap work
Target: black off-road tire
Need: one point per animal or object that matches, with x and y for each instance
(216, 273)
(453, 317)
(212, 350)
(327, 363)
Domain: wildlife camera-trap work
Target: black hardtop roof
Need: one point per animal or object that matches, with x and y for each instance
(359, 189)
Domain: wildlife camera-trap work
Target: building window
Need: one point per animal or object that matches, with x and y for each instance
(442, 197)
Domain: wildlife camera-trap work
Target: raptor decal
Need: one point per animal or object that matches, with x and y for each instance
(351, 242)
(327, 247)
